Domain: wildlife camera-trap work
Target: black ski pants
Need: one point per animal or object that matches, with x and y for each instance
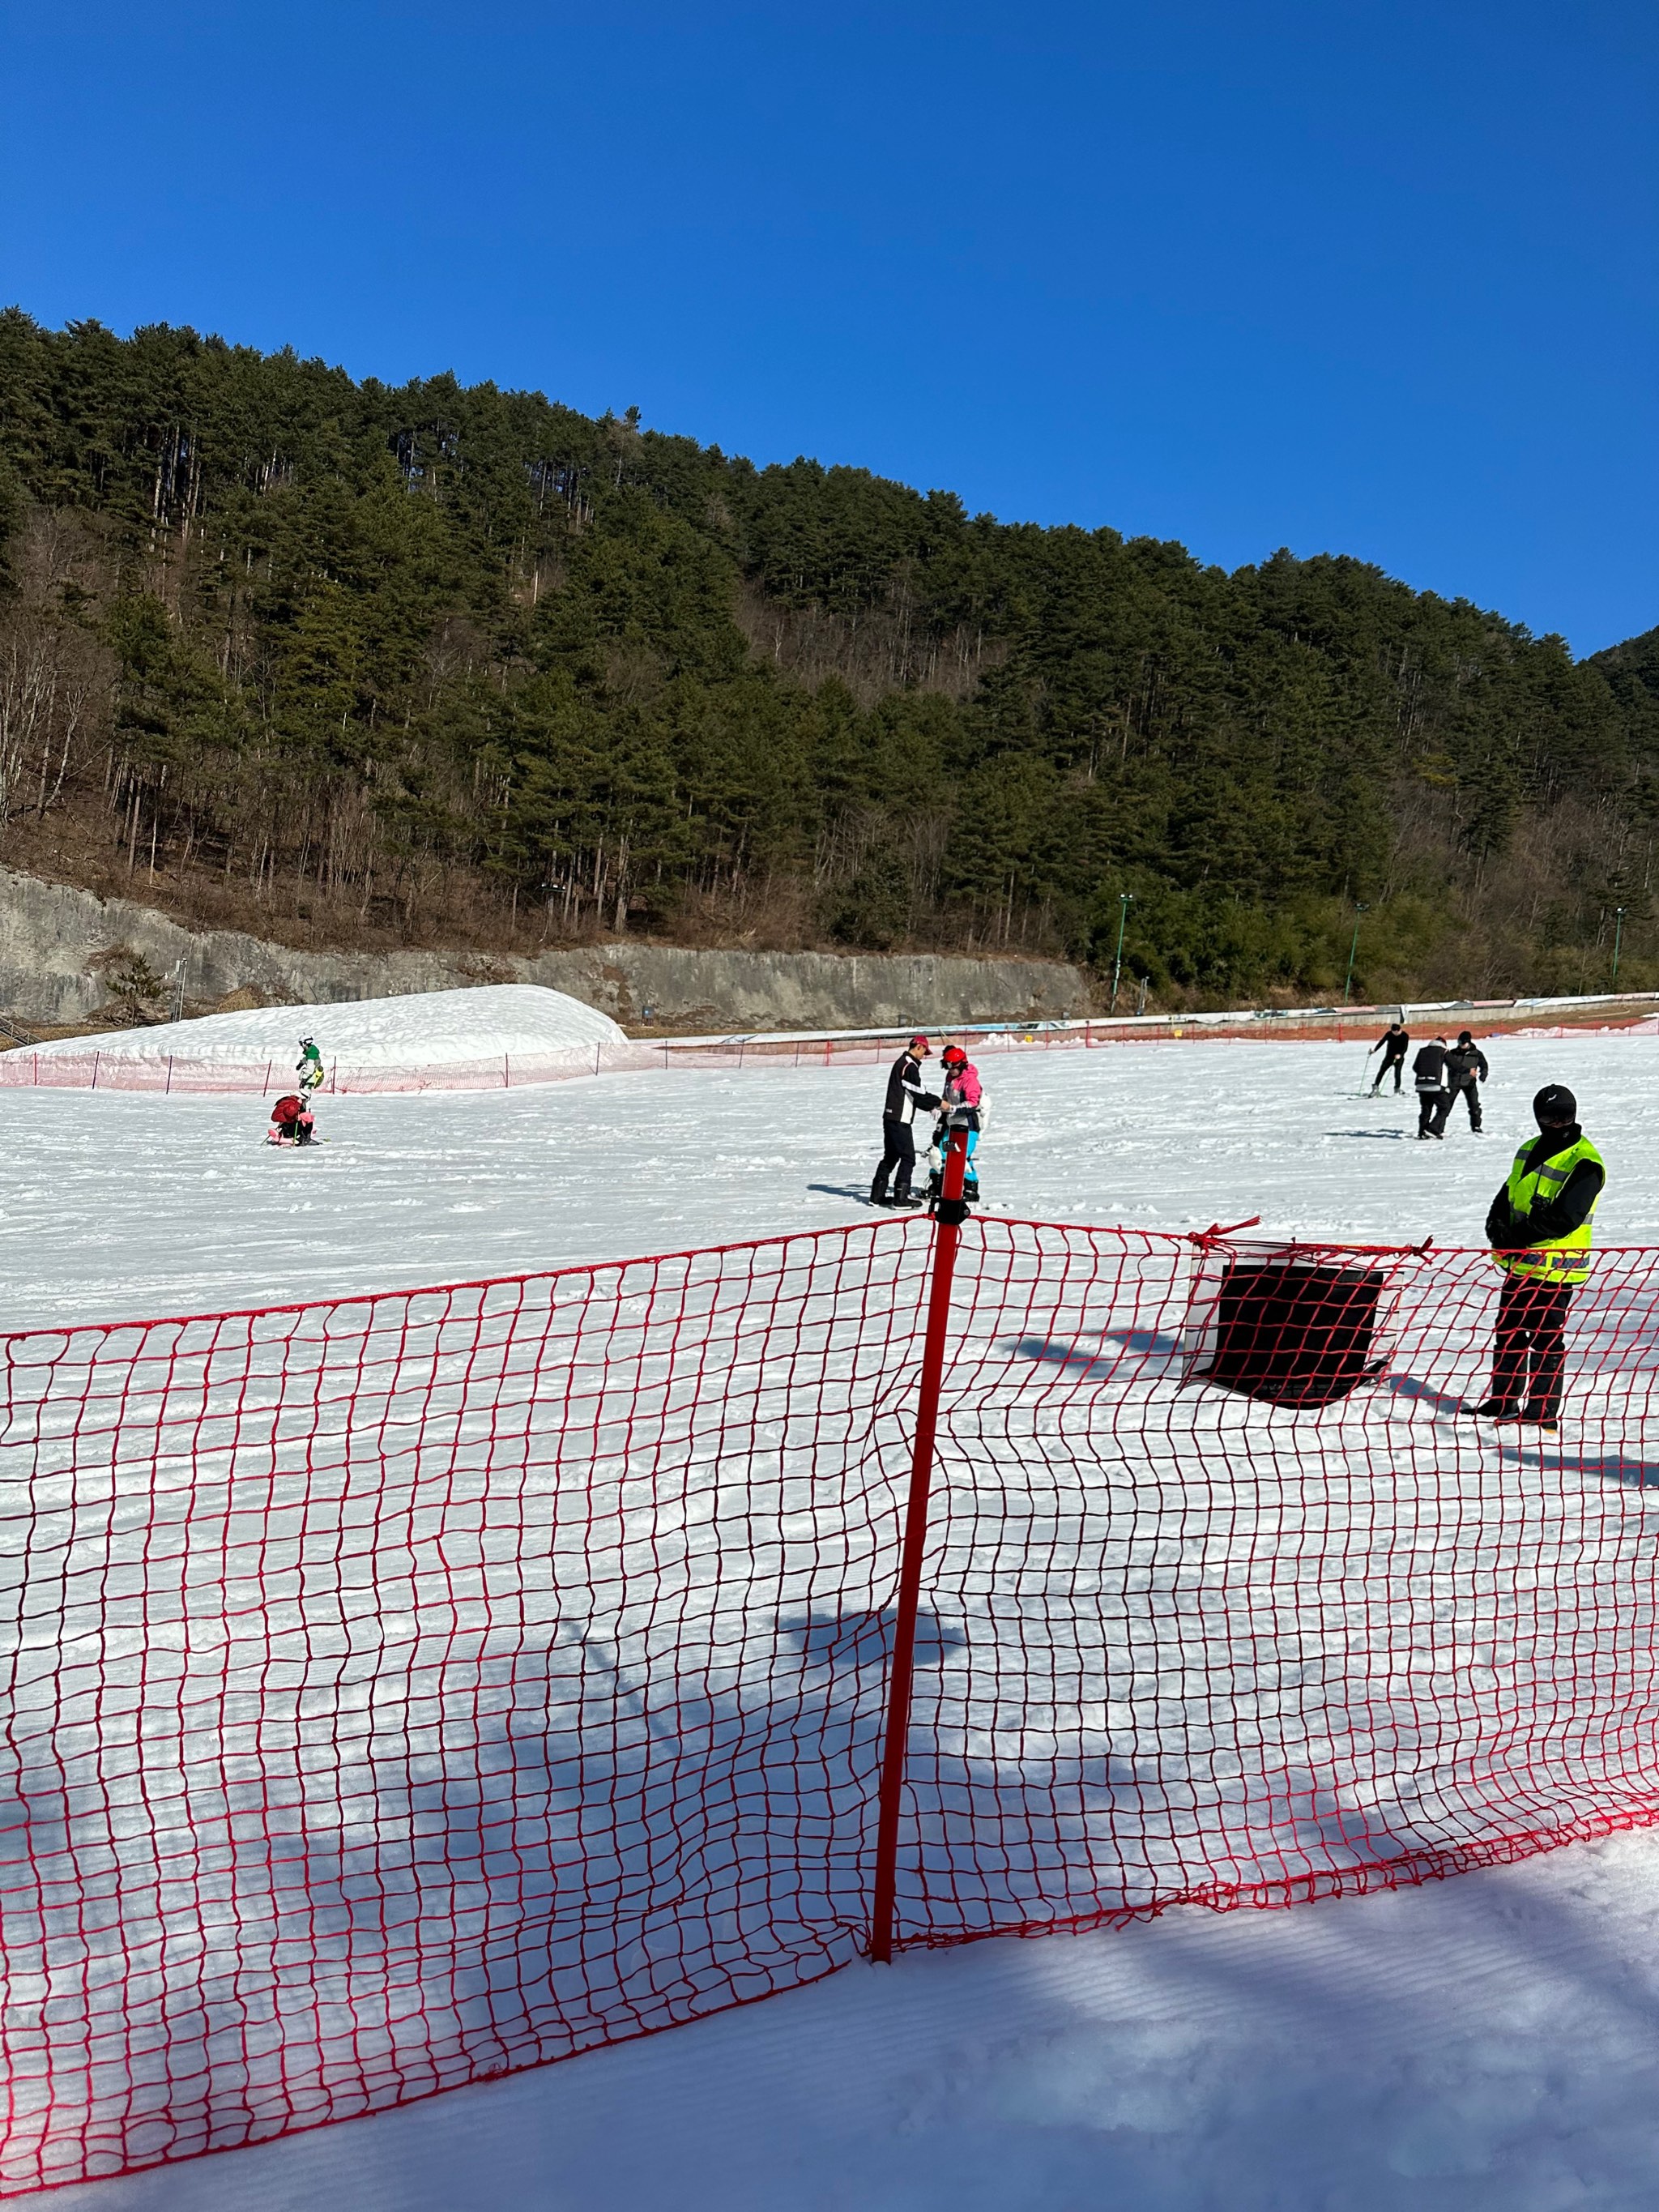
(1531, 1325)
(1432, 1110)
(898, 1159)
(1470, 1090)
(1396, 1062)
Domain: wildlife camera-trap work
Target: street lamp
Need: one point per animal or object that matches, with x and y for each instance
(1618, 940)
(1125, 901)
(1348, 986)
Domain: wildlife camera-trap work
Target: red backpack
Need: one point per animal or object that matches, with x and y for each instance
(287, 1108)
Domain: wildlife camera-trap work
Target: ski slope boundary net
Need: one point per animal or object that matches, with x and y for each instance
(403, 1690)
(132, 1066)
(135, 1069)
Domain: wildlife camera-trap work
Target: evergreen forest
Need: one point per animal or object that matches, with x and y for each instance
(346, 664)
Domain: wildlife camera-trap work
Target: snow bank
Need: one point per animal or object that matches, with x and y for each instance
(496, 1036)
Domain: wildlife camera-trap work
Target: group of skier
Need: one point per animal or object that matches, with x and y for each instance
(1441, 1073)
(1538, 1227)
(292, 1121)
(959, 1102)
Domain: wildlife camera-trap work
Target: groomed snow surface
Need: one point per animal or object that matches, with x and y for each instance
(1491, 2041)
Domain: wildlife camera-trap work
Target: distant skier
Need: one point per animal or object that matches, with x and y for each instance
(964, 1092)
(310, 1067)
(1466, 1071)
(1429, 1074)
(291, 1121)
(1394, 1044)
(898, 1155)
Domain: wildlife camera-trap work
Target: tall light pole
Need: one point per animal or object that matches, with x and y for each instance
(1618, 940)
(1353, 949)
(1125, 901)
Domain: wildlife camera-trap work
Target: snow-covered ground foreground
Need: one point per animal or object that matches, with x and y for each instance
(1489, 2041)
(1486, 2045)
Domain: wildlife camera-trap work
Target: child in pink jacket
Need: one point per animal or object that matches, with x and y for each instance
(962, 1088)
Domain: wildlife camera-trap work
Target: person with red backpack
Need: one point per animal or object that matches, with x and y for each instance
(291, 1121)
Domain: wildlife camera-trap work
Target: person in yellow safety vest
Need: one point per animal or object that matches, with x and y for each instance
(1539, 1229)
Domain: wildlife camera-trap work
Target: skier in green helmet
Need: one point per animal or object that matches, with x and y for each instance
(309, 1068)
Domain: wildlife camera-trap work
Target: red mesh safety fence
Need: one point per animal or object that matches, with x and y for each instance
(145, 1065)
(143, 1068)
(402, 1690)
(1231, 1603)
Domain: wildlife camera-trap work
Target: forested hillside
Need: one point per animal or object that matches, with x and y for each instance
(342, 663)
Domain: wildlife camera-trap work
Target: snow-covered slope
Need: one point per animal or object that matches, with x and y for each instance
(120, 1204)
(1482, 2044)
(412, 1041)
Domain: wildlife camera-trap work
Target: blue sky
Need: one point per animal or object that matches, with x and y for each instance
(1378, 279)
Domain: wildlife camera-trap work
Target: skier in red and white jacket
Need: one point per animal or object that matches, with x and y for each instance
(291, 1121)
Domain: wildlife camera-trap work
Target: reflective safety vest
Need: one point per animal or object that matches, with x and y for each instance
(1557, 1259)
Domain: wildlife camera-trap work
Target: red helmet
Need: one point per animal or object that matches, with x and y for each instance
(953, 1055)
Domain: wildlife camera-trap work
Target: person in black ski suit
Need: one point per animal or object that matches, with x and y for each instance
(1428, 1073)
(1394, 1044)
(905, 1098)
(1466, 1071)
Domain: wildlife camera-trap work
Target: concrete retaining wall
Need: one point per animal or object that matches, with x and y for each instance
(57, 945)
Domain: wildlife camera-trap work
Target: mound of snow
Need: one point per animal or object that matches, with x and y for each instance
(498, 1033)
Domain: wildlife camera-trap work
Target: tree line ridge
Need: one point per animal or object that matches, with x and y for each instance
(342, 662)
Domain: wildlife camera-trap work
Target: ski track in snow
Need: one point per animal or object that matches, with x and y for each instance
(1489, 2041)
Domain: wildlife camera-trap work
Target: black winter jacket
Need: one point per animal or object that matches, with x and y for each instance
(1510, 1231)
(1464, 1060)
(904, 1091)
(1427, 1067)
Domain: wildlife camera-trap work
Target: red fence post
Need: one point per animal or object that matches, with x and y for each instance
(947, 1235)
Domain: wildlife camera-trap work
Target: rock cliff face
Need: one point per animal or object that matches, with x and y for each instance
(58, 946)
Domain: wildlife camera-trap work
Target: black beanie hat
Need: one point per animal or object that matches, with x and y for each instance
(1554, 1103)
(1463, 1037)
